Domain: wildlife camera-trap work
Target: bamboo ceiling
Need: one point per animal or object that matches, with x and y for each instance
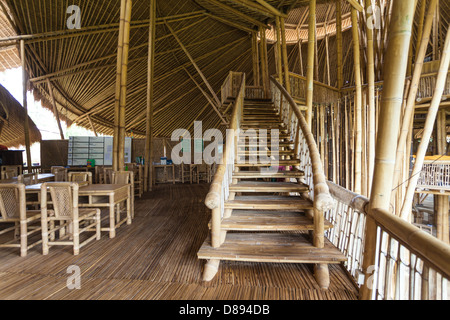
(82, 64)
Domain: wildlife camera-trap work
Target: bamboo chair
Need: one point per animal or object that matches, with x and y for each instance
(18, 169)
(124, 177)
(60, 174)
(82, 178)
(8, 174)
(107, 175)
(138, 178)
(203, 173)
(64, 198)
(13, 210)
(28, 178)
(185, 173)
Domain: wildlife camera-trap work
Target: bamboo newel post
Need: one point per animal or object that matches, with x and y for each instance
(25, 105)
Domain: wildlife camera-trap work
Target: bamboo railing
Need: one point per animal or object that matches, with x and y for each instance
(306, 150)
(322, 93)
(435, 175)
(219, 191)
(410, 263)
(231, 87)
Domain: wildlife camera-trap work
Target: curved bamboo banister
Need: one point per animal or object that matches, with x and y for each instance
(219, 191)
(322, 198)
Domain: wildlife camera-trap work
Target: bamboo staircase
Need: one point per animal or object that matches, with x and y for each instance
(268, 215)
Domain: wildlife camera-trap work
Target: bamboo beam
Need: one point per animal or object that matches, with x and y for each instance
(275, 11)
(211, 102)
(238, 13)
(148, 172)
(355, 5)
(211, 90)
(25, 105)
(230, 23)
(92, 125)
(408, 115)
(390, 110)
(55, 109)
(255, 7)
(310, 65)
(428, 128)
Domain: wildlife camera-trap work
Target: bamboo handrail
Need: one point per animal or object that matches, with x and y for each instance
(349, 216)
(219, 191)
(319, 192)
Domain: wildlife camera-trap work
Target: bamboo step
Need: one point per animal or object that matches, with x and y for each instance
(262, 186)
(269, 203)
(265, 152)
(270, 175)
(250, 220)
(280, 163)
(268, 145)
(267, 136)
(271, 247)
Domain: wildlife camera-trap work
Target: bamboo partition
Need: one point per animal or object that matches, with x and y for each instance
(409, 263)
(219, 190)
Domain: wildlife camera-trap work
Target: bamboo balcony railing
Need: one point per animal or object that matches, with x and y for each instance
(322, 93)
(435, 176)
(410, 263)
(220, 187)
(231, 87)
(306, 150)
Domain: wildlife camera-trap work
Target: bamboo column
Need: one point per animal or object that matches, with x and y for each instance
(300, 56)
(264, 62)
(55, 109)
(358, 102)
(442, 205)
(410, 103)
(285, 56)
(371, 98)
(278, 54)
(340, 70)
(255, 54)
(390, 110)
(123, 86)
(148, 172)
(310, 65)
(25, 105)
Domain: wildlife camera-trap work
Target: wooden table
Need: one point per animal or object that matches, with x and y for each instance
(41, 178)
(108, 196)
(165, 167)
(98, 196)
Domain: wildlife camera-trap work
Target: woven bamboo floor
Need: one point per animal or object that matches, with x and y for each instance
(156, 258)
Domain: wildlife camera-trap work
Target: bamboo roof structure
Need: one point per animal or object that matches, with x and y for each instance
(12, 116)
(81, 64)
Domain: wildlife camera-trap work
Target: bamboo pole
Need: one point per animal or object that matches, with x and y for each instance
(310, 65)
(395, 72)
(340, 70)
(284, 55)
(255, 54)
(442, 205)
(278, 55)
(148, 172)
(123, 86)
(410, 103)
(25, 105)
(55, 109)
(371, 98)
(358, 102)
(264, 62)
(118, 87)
